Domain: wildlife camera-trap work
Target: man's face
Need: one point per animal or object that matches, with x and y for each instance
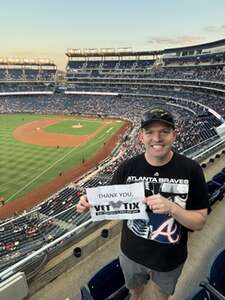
(158, 139)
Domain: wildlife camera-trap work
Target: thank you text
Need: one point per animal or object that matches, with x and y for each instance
(115, 202)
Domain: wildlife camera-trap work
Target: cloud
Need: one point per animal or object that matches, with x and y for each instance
(215, 29)
(179, 40)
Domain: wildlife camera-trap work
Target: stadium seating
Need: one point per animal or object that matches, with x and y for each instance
(199, 294)
(2, 74)
(24, 78)
(217, 272)
(220, 178)
(31, 74)
(107, 284)
(192, 129)
(15, 74)
(206, 293)
(214, 191)
(212, 291)
(213, 288)
(187, 86)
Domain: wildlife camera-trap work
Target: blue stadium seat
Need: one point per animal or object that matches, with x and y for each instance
(220, 178)
(214, 288)
(217, 273)
(214, 191)
(199, 294)
(206, 292)
(85, 295)
(211, 291)
(107, 284)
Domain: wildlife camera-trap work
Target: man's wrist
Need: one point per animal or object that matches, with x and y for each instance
(172, 209)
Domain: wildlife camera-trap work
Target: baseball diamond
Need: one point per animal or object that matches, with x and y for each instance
(37, 149)
(112, 116)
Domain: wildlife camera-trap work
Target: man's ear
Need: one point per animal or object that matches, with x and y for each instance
(174, 135)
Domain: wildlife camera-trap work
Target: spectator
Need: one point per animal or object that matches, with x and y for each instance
(176, 200)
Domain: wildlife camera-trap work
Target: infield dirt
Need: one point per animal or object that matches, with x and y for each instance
(33, 133)
(39, 194)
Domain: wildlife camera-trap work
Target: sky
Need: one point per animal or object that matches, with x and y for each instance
(47, 28)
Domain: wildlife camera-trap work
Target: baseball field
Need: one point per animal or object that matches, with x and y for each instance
(35, 149)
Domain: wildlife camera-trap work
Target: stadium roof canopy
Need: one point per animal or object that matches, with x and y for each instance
(26, 61)
(109, 52)
(197, 47)
(126, 52)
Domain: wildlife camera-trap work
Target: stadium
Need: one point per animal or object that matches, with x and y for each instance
(61, 136)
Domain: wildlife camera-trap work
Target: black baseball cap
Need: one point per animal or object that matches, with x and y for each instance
(157, 114)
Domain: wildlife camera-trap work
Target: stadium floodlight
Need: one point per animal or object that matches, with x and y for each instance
(76, 51)
(73, 52)
(107, 51)
(29, 61)
(13, 60)
(90, 50)
(5, 60)
(43, 61)
(124, 50)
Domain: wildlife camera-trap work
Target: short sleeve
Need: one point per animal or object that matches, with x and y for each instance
(198, 192)
(119, 175)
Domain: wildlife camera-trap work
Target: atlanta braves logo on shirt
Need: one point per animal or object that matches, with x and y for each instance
(161, 227)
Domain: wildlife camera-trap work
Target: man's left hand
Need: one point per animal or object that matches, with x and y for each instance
(159, 204)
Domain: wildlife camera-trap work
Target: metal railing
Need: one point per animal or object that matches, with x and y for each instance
(12, 269)
(211, 145)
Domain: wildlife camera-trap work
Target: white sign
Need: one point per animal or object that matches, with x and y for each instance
(117, 202)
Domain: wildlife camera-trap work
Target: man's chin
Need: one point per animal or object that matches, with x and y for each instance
(159, 154)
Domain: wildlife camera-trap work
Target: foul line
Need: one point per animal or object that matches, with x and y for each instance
(98, 140)
(42, 173)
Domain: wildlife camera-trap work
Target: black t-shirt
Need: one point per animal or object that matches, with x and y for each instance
(160, 243)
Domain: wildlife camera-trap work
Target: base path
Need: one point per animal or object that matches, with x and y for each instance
(32, 133)
(39, 194)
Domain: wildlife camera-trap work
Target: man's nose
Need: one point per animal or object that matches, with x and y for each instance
(157, 137)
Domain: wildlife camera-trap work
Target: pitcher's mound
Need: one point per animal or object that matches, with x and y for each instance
(77, 126)
(32, 133)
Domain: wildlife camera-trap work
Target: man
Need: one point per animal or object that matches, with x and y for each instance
(176, 199)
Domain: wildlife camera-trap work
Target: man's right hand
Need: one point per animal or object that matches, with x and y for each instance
(83, 205)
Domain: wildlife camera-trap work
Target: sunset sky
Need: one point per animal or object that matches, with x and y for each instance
(46, 28)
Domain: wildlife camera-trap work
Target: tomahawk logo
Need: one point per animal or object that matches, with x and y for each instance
(115, 204)
(166, 232)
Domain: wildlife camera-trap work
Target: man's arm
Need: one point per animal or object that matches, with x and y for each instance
(192, 219)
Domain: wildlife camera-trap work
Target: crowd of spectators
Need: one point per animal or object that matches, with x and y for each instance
(26, 87)
(55, 216)
(148, 69)
(194, 121)
(24, 73)
(211, 73)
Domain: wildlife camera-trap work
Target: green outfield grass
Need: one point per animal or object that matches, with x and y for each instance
(89, 126)
(24, 167)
